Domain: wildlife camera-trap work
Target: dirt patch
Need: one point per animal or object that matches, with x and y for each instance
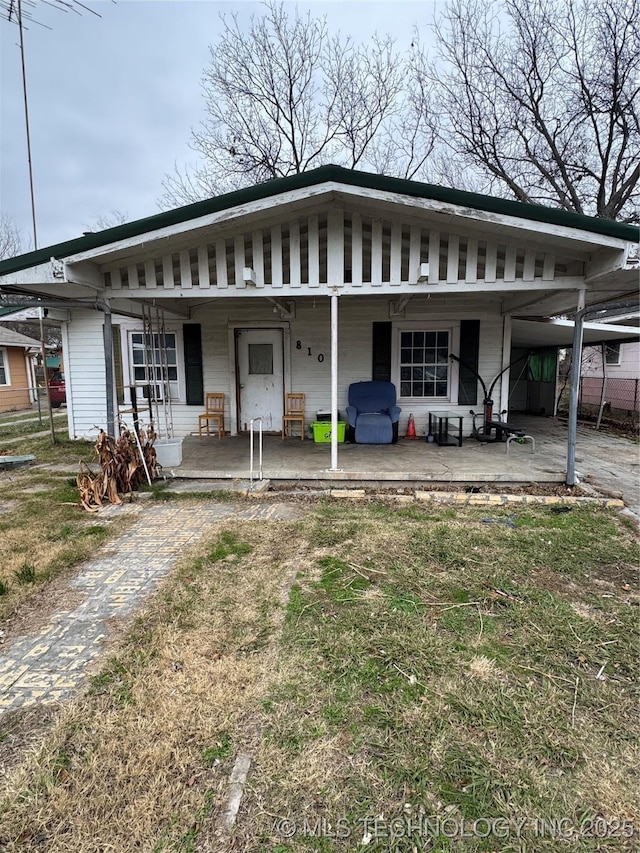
(620, 430)
(546, 578)
(622, 577)
(615, 580)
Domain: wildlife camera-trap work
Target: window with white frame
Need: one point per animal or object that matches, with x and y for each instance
(424, 363)
(4, 367)
(612, 353)
(152, 358)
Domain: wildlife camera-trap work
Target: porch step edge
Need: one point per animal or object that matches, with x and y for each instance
(299, 476)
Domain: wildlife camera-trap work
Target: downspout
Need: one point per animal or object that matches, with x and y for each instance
(576, 361)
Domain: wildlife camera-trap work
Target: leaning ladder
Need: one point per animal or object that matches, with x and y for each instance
(164, 371)
(157, 368)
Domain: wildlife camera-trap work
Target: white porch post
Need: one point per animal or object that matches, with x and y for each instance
(506, 361)
(109, 374)
(334, 380)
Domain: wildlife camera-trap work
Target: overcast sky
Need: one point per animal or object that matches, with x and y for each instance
(112, 100)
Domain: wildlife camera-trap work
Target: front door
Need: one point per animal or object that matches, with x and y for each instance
(260, 365)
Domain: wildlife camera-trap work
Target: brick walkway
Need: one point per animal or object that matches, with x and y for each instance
(48, 665)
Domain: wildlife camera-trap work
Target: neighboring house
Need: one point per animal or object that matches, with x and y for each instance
(17, 376)
(621, 360)
(312, 282)
(33, 322)
(620, 373)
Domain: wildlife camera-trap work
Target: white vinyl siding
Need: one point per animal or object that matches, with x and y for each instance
(84, 374)
(310, 370)
(308, 365)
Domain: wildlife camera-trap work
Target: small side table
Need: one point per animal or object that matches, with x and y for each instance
(446, 428)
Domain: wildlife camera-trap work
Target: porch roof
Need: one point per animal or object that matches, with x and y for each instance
(559, 333)
(313, 178)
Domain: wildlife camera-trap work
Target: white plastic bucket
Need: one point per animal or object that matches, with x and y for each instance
(169, 452)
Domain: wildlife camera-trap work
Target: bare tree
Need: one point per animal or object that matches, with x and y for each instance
(285, 97)
(541, 98)
(535, 100)
(405, 146)
(10, 237)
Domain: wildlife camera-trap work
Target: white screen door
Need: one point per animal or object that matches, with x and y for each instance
(259, 354)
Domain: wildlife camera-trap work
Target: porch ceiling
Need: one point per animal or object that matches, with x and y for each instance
(621, 284)
(530, 334)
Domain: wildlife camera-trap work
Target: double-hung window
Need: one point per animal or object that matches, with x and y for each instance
(424, 364)
(4, 368)
(154, 362)
(612, 354)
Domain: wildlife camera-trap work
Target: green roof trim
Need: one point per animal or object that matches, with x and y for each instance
(321, 175)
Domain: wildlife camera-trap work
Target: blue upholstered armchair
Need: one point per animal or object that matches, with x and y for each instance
(372, 413)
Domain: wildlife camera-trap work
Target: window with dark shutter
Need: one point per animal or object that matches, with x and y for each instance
(381, 352)
(469, 349)
(192, 336)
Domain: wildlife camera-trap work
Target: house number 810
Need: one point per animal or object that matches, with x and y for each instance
(320, 355)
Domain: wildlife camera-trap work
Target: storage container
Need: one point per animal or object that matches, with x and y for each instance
(169, 452)
(322, 431)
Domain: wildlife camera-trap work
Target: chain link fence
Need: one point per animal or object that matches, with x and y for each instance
(621, 399)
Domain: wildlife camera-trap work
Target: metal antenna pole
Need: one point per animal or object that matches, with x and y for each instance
(26, 122)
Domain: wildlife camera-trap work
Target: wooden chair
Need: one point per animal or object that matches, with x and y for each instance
(214, 412)
(294, 413)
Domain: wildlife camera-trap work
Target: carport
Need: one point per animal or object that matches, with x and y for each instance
(536, 391)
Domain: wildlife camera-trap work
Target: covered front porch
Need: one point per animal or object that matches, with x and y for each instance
(410, 460)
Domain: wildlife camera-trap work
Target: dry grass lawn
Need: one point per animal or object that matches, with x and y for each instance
(44, 533)
(402, 679)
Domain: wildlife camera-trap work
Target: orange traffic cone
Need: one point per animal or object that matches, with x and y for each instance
(411, 428)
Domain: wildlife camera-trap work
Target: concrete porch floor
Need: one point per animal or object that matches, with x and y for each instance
(407, 461)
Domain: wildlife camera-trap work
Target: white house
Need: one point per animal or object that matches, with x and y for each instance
(316, 280)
